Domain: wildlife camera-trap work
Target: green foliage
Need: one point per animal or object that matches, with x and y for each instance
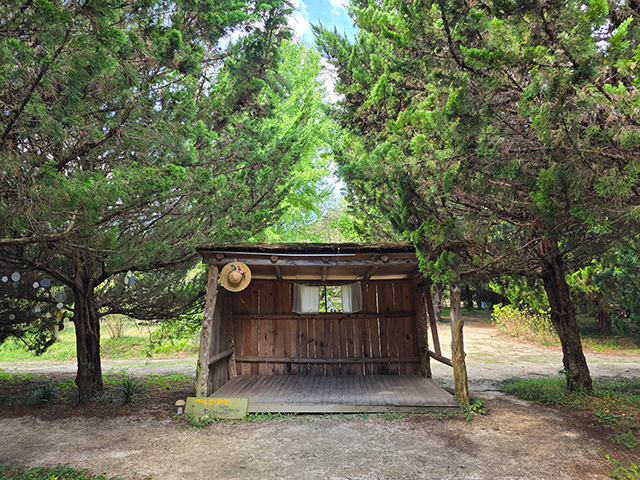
(524, 323)
(627, 440)
(130, 388)
(59, 472)
(131, 134)
(631, 472)
(620, 282)
(525, 292)
(43, 394)
(478, 130)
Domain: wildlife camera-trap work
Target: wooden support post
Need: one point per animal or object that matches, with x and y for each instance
(232, 344)
(423, 329)
(432, 318)
(206, 336)
(457, 349)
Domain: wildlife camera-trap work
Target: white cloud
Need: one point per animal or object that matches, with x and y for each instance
(299, 24)
(299, 19)
(329, 77)
(338, 6)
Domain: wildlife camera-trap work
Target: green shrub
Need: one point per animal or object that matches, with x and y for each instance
(532, 326)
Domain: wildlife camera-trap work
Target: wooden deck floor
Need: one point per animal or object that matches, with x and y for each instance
(346, 394)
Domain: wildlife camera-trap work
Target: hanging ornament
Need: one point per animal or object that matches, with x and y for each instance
(12, 317)
(5, 279)
(15, 276)
(59, 305)
(60, 296)
(47, 315)
(59, 315)
(38, 311)
(45, 282)
(36, 284)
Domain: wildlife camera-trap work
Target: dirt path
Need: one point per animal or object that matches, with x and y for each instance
(513, 441)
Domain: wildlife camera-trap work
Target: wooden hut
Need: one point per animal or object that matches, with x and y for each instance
(361, 347)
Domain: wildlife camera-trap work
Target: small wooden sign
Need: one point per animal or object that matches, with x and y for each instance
(220, 407)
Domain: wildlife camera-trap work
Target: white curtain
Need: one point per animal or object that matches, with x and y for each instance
(306, 298)
(352, 298)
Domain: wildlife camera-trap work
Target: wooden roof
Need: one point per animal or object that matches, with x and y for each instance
(319, 262)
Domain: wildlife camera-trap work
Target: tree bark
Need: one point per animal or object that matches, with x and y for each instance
(206, 335)
(603, 317)
(563, 317)
(87, 322)
(603, 321)
(457, 349)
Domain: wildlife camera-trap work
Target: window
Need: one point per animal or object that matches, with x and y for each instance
(315, 299)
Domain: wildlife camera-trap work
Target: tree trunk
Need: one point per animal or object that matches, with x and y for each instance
(563, 318)
(603, 317)
(206, 334)
(87, 323)
(468, 298)
(457, 349)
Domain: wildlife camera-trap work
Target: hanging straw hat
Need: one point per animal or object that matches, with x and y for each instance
(235, 276)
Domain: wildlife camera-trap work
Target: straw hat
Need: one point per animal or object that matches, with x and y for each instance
(235, 276)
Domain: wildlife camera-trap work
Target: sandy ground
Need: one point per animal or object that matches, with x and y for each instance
(513, 441)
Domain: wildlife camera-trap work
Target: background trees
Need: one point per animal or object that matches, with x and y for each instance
(129, 132)
(504, 135)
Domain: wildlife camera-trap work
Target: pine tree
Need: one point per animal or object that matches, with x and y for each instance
(502, 136)
(130, 132)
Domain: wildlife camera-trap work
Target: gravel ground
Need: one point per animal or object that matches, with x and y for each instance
(512, 441)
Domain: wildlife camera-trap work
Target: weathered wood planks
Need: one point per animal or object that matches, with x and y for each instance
(347, 394)
(381, 339)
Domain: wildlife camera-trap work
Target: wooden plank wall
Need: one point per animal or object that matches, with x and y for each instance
(329, 338)
(219, 371)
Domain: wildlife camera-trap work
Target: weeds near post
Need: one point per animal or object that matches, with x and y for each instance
(476, 407)
(130, 388)
(632, 472)
(43, 394)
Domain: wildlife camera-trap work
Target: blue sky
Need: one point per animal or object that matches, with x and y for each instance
(331, 13)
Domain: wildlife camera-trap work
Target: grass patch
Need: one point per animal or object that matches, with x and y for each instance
(120, 389)
(604, 341)
(129, 341)
(632, 472)
(59, 472)
(615, 403)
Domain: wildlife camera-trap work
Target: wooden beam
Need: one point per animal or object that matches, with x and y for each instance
(220, 356)
(413, 274)
(440, 358)
(370, 271)
(278, 272)
(231, 366)
(432, 318)
(328, 316)
(263, 359)
(206, 334)
(325, 271)
(315, 262)
(423, 329)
